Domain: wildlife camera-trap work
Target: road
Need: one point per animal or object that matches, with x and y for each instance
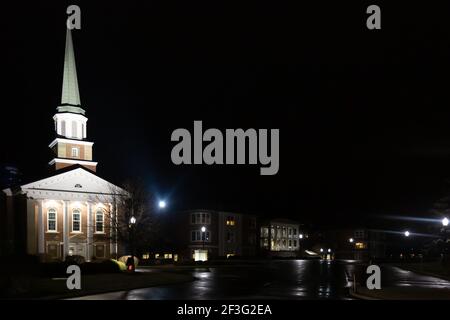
(286, 279)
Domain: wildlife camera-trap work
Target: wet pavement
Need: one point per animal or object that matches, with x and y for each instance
(285, 279)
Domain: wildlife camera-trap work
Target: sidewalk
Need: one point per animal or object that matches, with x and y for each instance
(401, 293)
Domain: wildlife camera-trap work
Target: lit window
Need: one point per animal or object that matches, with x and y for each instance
(76, 221)
(99, 221)
(51, 220)
(360, 245)
(230, 221)
(75, 152)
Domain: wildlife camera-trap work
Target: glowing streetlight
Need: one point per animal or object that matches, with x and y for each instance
(203, 236)
(132, 220)
(407, 233)
(329, 250)
(351, 240)
(162, 204)
(300, 236)
(445, 222)
(321, 249)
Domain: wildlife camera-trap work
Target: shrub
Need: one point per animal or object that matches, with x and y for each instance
(75, 260)
(104, 266)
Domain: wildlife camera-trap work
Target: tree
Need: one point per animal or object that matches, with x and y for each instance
(131, 201)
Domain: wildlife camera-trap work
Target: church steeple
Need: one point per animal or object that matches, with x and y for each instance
(70, 93)
(70, 97)
(70, 146)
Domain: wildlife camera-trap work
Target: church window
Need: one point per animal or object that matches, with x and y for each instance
(63, 128)
(74, 129)
(76, 220)
(51, 220)
(99, 221)
(75, 152)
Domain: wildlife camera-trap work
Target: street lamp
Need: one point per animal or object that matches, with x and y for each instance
(161, 204)
(329, 250)
(300, 236)
(351, 240)
(203, 236)
(130, 262)
(321, 250)
(445, 222)
(407, 233)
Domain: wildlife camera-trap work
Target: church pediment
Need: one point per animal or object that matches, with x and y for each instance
(79, 181)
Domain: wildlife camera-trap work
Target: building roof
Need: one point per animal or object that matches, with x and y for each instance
(75, 179)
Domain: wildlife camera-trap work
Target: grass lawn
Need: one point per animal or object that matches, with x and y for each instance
(46, 288)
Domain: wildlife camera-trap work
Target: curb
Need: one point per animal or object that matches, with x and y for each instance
(360, 296)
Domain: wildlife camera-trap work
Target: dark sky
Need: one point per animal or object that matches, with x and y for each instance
(364, 116)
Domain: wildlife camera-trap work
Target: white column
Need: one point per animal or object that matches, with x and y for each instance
(88, 232)
(115, 231)
(65, 228)
(41, 227)
(111, 217)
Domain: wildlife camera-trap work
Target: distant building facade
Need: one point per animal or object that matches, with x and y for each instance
(357, 244)
(218, 234)
(283, 240)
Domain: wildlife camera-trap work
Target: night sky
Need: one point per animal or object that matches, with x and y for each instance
(364, 116)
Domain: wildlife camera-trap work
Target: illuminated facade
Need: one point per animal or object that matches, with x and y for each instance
(70, 212)
(283, 239)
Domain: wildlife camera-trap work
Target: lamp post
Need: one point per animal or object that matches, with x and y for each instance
(445, 222)
(203, 236)
(407, 234)
(132, 224)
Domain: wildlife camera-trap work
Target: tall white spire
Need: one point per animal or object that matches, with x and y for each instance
(70, 94)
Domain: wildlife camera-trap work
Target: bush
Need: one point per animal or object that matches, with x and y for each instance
(78, 260)
(105, 266)
(125, 258)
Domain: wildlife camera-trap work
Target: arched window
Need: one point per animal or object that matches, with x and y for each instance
(76, 220)
(74, 129)
(63, 128)
(99, 221)
(51, 220)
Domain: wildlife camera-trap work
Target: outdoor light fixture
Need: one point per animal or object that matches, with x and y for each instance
(162, 204)
(321, 250)
(203, 229)
(407, 233)
(329, 250)
(132, 220)
(300, 236)
(351, 240)
(445, 222)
